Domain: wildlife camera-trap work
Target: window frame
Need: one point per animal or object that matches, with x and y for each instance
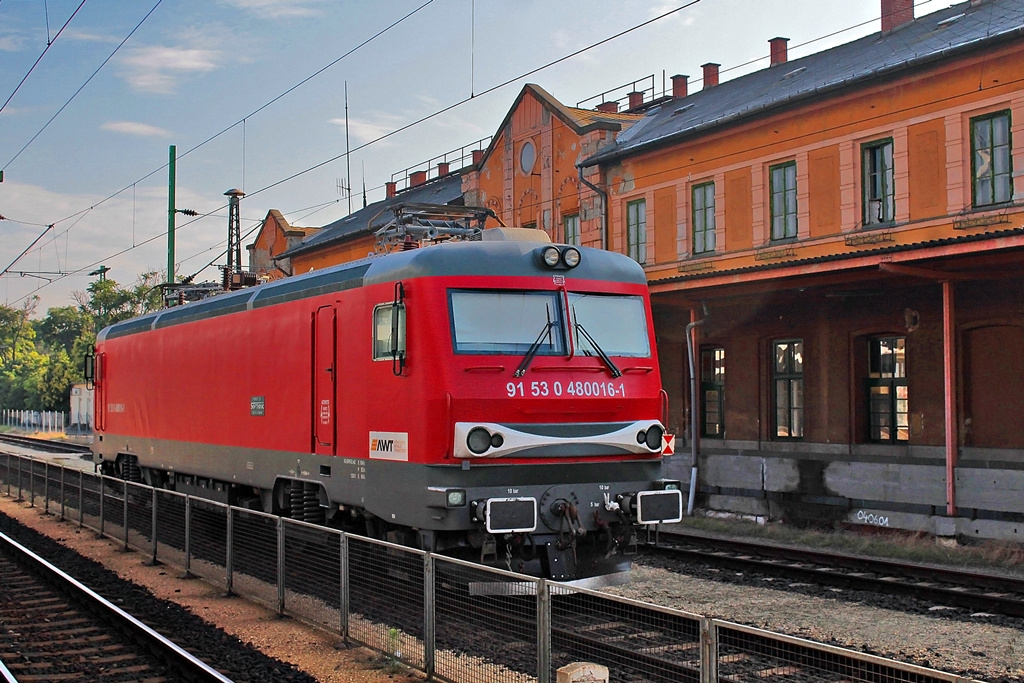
(573, 237)
(707, 228)
(392, 351)
(877, 378)
(713, 381)
(993, 176)
(790, 376)
(788, 234)
(888, 199)
(636, 230)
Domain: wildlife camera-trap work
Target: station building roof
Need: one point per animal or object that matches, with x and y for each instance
(956, 30)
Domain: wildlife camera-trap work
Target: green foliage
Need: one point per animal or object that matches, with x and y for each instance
(41, 359)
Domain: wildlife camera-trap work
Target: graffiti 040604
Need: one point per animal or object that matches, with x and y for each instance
(872, 518)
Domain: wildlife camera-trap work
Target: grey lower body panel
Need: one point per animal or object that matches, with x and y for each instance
(403, 493)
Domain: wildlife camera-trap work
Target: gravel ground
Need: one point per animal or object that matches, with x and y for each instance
(984, 647)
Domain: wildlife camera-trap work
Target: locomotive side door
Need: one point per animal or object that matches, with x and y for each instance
(324, 381)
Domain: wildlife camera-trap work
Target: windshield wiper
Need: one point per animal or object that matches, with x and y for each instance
(535, 347)
(600, 352)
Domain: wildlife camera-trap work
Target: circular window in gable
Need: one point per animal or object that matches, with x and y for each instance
(527, 157)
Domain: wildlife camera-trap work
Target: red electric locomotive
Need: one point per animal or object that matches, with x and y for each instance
(494, 397)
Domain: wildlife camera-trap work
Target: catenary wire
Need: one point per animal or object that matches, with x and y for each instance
(501, 85)
(49, 42)
(82, 87)
(386, 135)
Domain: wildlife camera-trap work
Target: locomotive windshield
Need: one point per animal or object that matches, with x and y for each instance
(506, 322)
(521, 322)
(616, 323)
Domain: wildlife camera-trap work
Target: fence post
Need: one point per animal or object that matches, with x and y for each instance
(153, 522)
(280, 565)
(46, 488)
(21, 497)
(229, 554)
(63, 499)
(188, 537)
(429, 611)
(102, 487)
(31, 483)
(124, 515)
(343, 593)
(708, 651)
(81, 498)
(543, 632)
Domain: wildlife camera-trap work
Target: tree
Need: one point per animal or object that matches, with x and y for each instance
(108, 302)
(62, 326)
(16, 333)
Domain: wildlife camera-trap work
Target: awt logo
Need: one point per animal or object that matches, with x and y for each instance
(389, 445)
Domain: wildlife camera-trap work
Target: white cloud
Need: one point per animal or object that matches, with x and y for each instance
(277, 9)
(367, 130)
(157, 68)
(11, 43)
(84, 37)
(136, 128)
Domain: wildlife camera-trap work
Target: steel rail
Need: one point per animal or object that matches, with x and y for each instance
(173, 656)
(972, 590)
(47, 445)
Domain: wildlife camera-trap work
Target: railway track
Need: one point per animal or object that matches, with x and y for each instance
(54, 628)
(979, 592)
(45, 445)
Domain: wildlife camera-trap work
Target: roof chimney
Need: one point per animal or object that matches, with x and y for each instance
(478, 156)
(635, 99)
(390, 188)
(710, 74)
(895, 13)
(608, 107)
(779, 51)
(442, 168)
(417, 178)
(679, 85)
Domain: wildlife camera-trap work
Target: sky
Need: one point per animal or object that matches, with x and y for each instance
(252, 94)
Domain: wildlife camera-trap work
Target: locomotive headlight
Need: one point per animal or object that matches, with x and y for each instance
(654, 437)
(571, 257)
(478, 440)
(456, 498)
(550, 256)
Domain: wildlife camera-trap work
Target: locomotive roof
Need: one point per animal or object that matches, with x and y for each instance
(496, 258)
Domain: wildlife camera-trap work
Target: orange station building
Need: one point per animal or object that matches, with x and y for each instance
(843, 233)
(843, 237)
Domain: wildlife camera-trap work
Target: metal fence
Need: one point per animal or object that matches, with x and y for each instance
(37, 420)
(453, 620)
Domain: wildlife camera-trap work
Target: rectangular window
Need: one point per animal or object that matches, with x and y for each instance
(888, 399)
(877, 183)
(636, 230)
(572, 229)
(712, 386)
(783, 200)
(388, 331)
(991, 172)
(617, 324)
(703, 218)
(788, 393)
(507, 322)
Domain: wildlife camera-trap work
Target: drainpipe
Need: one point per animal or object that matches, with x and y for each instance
(604, 208)
(949, 386)
(694, 417)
